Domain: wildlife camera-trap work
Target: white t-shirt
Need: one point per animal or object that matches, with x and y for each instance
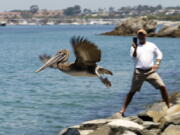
(145, 55)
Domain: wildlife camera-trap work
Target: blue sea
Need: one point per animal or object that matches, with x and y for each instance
(44, 103)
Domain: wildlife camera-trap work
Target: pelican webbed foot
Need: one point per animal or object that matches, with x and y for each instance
(99, 70)
(106, 82)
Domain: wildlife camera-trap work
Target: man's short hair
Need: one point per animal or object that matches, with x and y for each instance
(142, 31)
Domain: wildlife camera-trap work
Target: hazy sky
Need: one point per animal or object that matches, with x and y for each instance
(92, 4)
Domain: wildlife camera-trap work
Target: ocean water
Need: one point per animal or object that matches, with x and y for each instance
(44, 103)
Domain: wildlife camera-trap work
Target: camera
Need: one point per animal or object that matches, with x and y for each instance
(135, 40)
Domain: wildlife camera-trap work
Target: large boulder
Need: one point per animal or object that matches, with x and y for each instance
(130, 26)
(94, 124)
(119, 127)
(106, 130)
(172, 116)
(70, 131)
(154, 113)
(125, 124)
(172, 130)
(175, 98)
(169, 31)
(159, 112)
(154, 28)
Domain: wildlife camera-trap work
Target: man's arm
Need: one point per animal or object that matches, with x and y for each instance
(159, 55)
(156, 65)
(134, 50)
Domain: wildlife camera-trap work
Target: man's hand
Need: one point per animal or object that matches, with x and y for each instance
(134, 45)
(157, 64)
(155, 67)
(135, 49)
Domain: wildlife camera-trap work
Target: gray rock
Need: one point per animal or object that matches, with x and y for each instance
(93, 124)
(129, 133)
(156, 112)
(172, 130)
(175, 98)
(104, 130)
(85, 132)
(150, 132)
(130, 26)
(158, 118)
(70, 131)
(151, 125)
(135, 119)
(173, 109)
(108, 130)
(126, 124)
(116, 116)
(172, 117)
(170, 31)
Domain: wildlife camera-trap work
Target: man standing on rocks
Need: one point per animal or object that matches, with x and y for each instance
(145, 69)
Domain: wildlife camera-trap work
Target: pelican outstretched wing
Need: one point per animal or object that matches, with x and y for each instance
(86, 52)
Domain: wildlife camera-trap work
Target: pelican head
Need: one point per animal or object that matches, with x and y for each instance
(60, 57)
(65, 55)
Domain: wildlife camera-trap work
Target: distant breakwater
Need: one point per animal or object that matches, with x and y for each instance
(154, 28)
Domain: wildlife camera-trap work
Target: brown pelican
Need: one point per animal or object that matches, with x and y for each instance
(87, 54)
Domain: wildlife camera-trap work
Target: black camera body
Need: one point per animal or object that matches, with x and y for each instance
(135, 40)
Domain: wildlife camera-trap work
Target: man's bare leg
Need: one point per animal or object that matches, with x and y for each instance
(127, 101)
(164, 95)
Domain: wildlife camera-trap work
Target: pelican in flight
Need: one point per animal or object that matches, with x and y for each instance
(87, 55)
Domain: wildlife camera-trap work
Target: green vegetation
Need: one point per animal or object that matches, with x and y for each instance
(175, 17)
(72, 11)
(34, 9)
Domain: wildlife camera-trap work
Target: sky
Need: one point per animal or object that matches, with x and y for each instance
(7, 5)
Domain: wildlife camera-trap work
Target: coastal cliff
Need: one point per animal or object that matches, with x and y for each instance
(154, 28)
(156, 120)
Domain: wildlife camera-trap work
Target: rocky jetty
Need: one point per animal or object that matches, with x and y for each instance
(154, 28)
(157, 120)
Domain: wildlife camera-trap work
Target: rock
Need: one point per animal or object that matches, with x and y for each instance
(118, 127)
(134, 119)
(104, 130)
(109, 130)
(175, 98)
(116, 116)
(150, 132)
(129, 133)
(126, 124)
(169, 31)
(70, 131)
(155, 112)
(93, 124)
(157, 120)
(76, 126)
(130, 26)
(172, 130)
(172, 117)
(151, 125)
(145, 117)
(85, 132)
(173, 109)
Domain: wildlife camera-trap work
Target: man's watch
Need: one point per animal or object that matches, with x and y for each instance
(157, 63)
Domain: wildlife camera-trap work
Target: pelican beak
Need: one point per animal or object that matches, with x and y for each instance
(53, 60)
